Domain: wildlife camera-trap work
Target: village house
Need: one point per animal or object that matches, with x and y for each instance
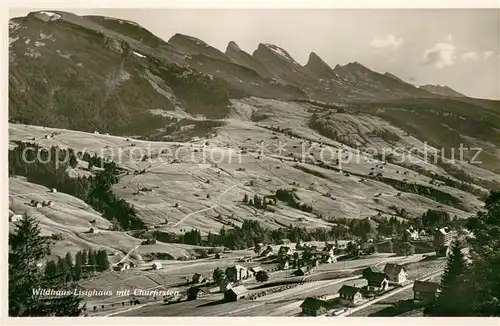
(313, 247)
(256, 269)
(236, 293)
(327, 259)
(121, 266)
(342, 246)
(442, 240)
(329, 247)
(268, 252)
(198, 278)
(245, 259)
(396, 273)
(314, 307)
(54, 190)
(48, 203)
(284, 241)
(284, 263)
(284, 251)
(370, 269)
(425, 291)
(204, 240)
(315, 262)
(196, 292)
(14, 217)
(302, 271)
(377, 281)
(243, 273)
(443, 237)
(225, 285)
(412, 234)
(349, 295)
(157, 266)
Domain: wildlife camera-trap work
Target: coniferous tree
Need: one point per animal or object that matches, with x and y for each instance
(77, 270)
(102, 260)
(50, 269)
(262, 276)
(69, 261)
(451, 300)
(73, 161)
(27, 248)
(231, 274)
(84, 257)
(91, 260)
(218, 275)
(484, 274)
(63, 270)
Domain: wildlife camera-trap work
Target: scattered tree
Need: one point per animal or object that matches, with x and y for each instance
(262, 276)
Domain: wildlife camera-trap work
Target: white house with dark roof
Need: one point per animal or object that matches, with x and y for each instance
(396, 273)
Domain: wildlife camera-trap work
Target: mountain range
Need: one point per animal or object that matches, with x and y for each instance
(100, 73)
(107, 52)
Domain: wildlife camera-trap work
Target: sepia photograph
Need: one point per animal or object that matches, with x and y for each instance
(253, 162)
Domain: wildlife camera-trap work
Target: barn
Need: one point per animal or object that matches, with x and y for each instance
(236, 293)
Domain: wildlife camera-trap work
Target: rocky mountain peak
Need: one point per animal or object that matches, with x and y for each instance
(232, 46)
(318, 66)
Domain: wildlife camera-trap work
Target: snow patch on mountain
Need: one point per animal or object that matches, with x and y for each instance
(120, 21)
(48, 16)
(280, 52)
(139, 55)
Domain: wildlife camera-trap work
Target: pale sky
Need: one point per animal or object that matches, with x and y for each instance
(455, 47)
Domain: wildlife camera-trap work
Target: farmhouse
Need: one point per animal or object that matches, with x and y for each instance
(198, 278)
(377, 281)
(425, 291)
(284, 263)
(236, 293)
(349, 295)
(396, 273)
(242, 273)
(14, 217)
(121, 266)
(302, 271)
(443, 237)
(412, 234)
(370, 270)
(195, 292)
(327, 259)
(157, 266)
(268, 252)
(49, 203)
(314, 307)
(54, 190)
